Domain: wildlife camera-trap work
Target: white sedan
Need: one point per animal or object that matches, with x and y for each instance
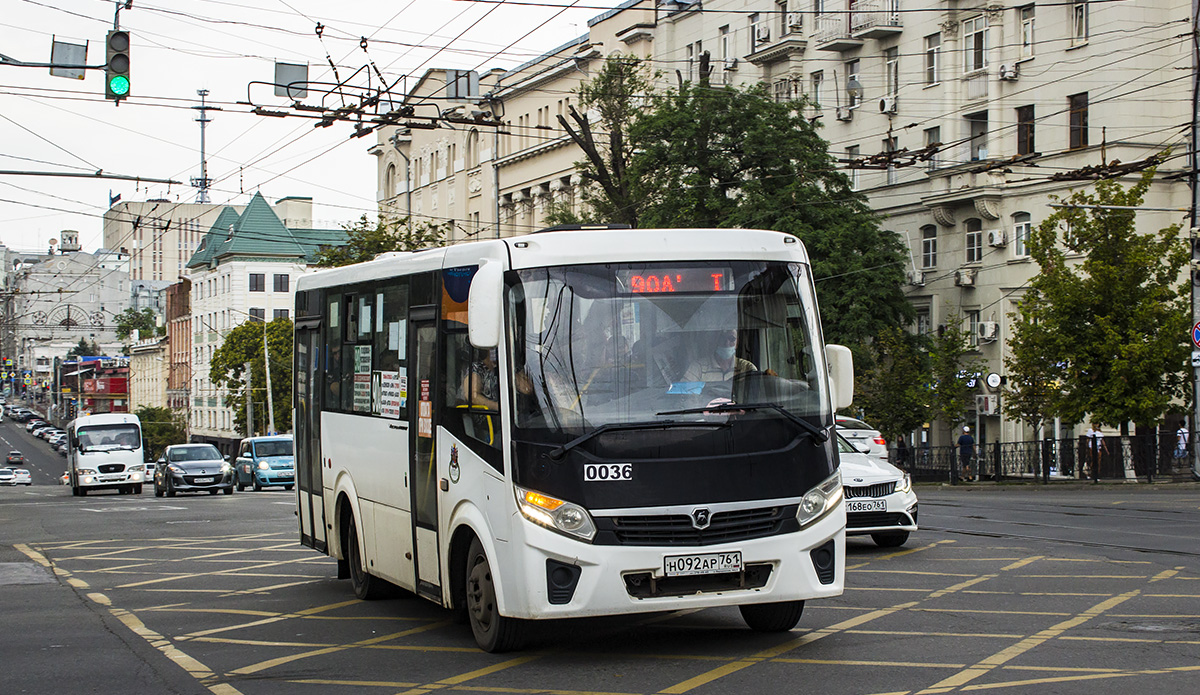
(7, 476)
(880, 501)
(22, 477)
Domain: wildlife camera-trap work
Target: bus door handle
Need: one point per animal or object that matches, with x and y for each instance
(444, 484)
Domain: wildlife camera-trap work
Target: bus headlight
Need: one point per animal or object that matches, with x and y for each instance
(555, 514)
(85, 471)
(820, 499)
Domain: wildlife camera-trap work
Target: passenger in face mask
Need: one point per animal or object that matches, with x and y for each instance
(721, 363)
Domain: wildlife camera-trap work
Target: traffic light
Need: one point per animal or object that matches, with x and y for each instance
(116, 68)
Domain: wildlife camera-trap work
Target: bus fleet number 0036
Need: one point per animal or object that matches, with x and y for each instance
(600, 472)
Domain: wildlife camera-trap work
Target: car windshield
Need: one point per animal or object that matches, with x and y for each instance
(278, 447)
(598, 345)
(108, 437)
(195, 453)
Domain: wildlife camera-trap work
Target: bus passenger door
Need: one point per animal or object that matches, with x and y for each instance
(424, 473)
(307, 444)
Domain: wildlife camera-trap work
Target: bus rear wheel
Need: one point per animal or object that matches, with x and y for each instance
(366, 586)
(493, 632)
(772, 617)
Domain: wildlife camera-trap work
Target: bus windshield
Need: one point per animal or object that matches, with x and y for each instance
(106, 437)
(613, 344)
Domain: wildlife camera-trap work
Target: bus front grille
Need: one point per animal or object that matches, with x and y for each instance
(112, 468)
(678, 529)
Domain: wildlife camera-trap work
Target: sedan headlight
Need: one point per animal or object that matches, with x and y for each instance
(226, 468)
(263, 465)
(905, 484)
(555, 514)
(175, 469)
(820, 499)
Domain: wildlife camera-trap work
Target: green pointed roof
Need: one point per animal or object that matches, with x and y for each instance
(259, 232)
(218, 231)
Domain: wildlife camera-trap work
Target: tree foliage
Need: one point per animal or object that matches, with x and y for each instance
(145, 322)
(367, 239)
(956, 372)
(161, 427)
(83, 349)
(227, 370)
(890, 392)
(1107, 317)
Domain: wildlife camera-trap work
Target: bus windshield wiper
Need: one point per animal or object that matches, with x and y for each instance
(819, 433)
(558, 452)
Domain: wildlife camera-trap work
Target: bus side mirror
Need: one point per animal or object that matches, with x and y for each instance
(841, 375)
(484, 308)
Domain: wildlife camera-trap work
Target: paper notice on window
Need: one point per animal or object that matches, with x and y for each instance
(390, 392)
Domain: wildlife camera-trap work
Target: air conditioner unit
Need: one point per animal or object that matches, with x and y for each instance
(987, 331)
(964, 277)
(731, 64)
(1008, 72)
(795, 20)
(987, 404)
(762, 33)
(996, 237)
(916, 278)
(887, 105)
(844, 113)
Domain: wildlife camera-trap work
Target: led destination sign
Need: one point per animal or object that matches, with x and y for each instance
(676, 280)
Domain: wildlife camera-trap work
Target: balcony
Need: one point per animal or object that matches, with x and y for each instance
(875, 19)
(833, 33)
(772, 48)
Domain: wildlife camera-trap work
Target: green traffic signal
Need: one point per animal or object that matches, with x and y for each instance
(119, 85)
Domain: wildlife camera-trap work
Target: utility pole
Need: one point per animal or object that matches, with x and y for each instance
(249, 403)
(1194, 179)
(267, 367)
(203, 182)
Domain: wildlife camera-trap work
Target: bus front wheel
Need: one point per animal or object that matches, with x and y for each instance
(366, 586)
(772, 617)
(493, 632)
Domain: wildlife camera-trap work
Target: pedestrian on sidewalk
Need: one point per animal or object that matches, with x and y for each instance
(966, 449)
(1096, 446)
(1181, 442)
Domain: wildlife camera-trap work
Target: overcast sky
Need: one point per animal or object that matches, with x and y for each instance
(52, 123)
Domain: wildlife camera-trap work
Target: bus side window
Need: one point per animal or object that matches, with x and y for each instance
(333, 353)
(472, 394)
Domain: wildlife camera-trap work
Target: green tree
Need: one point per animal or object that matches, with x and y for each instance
(227, 370)
(367, 239)
(161, 427)
(1112, 328)
(145, 322)
(1034, 365)
(702, 156)
(887, 393)
(83, 349)
(617, 95)
(956, 372)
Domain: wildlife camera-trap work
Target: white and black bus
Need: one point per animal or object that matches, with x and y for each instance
(575, 423)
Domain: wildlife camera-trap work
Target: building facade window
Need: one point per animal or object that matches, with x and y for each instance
(1079, 22)
(977, 128)
(933, 58)
(753, 19)
(280, 314)
(929, 246)
(890, 145)
(852, 152)
(258, 282)
(975, 43)
(725, 53)
(258, 314)
(973, 328)
(933, 137)
(1026, 15)
(924, 322)
(1025, 140)
(783, 89)
(891, 71)
(781, 24)
(282, 282)
(852, 77)
(816, 84)
(1077, 108)
(974, 240)
(1022, 226)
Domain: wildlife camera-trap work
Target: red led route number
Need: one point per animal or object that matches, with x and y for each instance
(676, 280)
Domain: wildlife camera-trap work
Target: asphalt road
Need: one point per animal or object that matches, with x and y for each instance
(1080, 589)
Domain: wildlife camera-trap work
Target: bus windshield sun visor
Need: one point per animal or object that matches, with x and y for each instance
(557, 453)
(820, 434)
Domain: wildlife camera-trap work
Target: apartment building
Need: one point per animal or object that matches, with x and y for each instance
(971, 118)
(245, 269)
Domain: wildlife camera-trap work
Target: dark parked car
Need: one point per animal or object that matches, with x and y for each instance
(192, 468)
